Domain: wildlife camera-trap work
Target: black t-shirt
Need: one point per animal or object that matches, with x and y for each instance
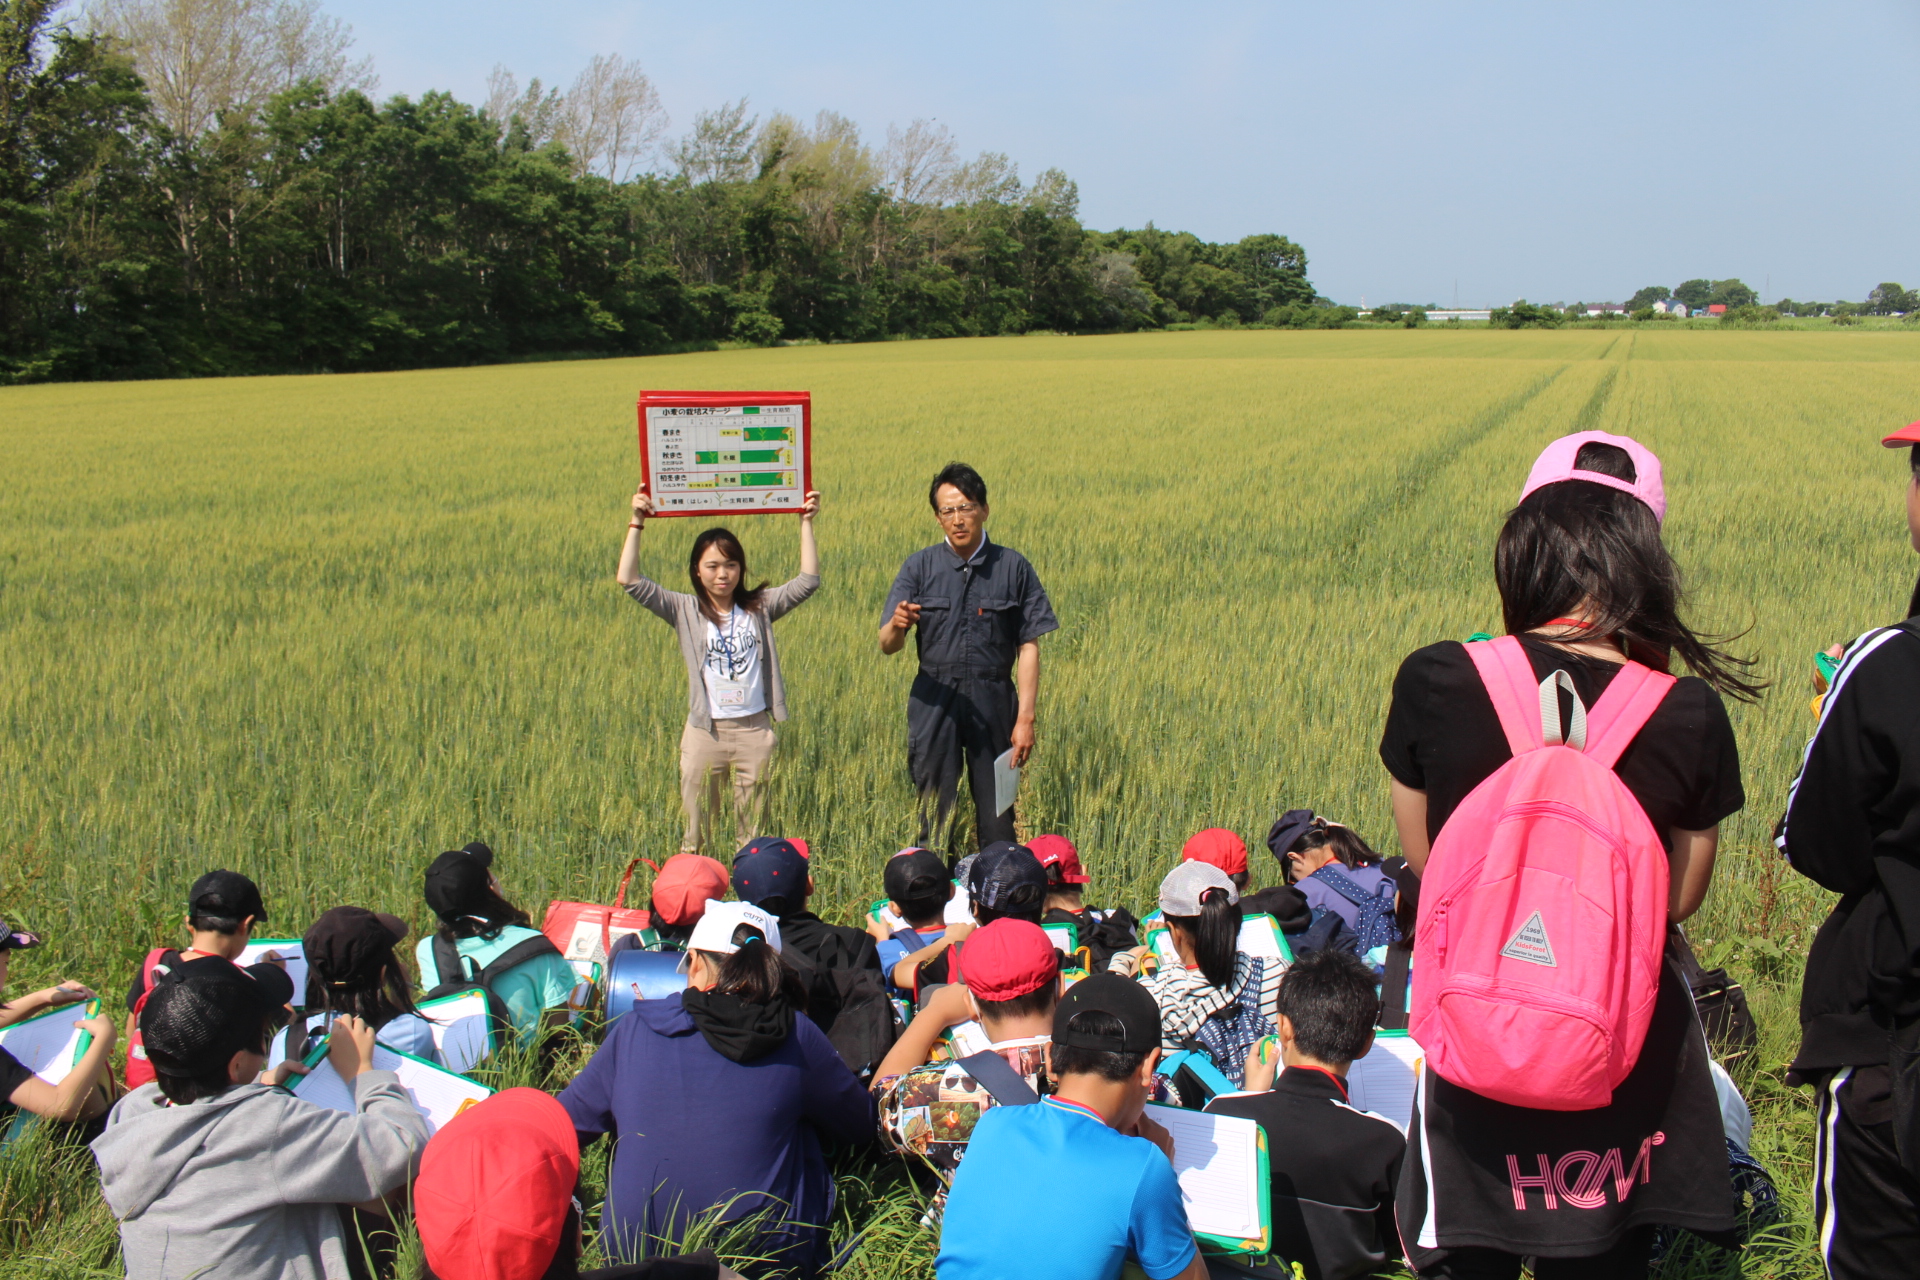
(13, 1074)
(1443, 737)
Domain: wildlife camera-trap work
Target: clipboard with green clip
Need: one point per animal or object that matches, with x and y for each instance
(40, 1043)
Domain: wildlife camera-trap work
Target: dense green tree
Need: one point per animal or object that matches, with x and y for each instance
(1648, 296)
(1731, 294)
(1694, 293)
(322, 230)
(1889, 298)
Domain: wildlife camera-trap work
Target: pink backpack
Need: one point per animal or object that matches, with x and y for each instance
(1543, 910)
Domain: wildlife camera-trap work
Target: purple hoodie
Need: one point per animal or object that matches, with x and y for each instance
(697, 1129)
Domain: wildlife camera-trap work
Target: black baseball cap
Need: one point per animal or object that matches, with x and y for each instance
(916, 874)
(1001, 868)
(1129, 1003)
(204, 1011)
(226, 894)
(348, 946)
(456, 881)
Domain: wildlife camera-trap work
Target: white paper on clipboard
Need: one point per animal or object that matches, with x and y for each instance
(1006, 781)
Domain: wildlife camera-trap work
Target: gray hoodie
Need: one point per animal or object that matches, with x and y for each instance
(245, 1186)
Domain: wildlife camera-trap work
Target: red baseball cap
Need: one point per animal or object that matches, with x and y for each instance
(494, 1187)
(1060, 858)
(1217, 847)
(686, 883)
(1909, 434)
(1009, 958)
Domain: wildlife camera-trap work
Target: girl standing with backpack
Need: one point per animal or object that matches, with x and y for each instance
(1590, 592)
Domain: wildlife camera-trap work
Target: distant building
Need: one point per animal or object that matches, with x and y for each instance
(1605, 309)
(1717, 309)
(1438, 317)
(1670, 307)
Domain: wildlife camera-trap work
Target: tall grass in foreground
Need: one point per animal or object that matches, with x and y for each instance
(318, 629)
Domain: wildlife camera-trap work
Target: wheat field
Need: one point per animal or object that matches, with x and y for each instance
(318, 629)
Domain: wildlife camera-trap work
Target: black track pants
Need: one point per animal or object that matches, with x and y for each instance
(1866, 1206)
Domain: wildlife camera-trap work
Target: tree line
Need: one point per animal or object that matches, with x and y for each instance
(194, 187)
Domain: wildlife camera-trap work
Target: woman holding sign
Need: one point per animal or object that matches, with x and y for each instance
(734, 690)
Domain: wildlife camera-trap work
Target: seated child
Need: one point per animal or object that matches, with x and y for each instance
(1334, 1168)
(497, 1198)
(1101, 932)
(773, 875)
(222, 909)
(687, 882)
(1091, 1137)
(1005, 879)
(929, 1108)
(212, 1174)
(1219, 847)
(479, 938)
(351, 968)
(918, 891)
(1340, 876)
(78, 1097)
(1217, 995)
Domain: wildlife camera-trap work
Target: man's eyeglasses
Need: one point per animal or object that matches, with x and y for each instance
(964, 509)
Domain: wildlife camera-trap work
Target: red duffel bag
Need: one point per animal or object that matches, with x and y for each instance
(585, 931)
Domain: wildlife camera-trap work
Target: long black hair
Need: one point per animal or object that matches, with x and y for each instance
(1215, 933)
(1344, 843)
(1575, 543)
(746, 597)
(484, 919)
(756, 973)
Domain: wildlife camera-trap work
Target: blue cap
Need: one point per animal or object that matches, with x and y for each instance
(770, 867)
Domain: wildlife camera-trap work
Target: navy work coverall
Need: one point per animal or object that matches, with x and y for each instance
(974, 616)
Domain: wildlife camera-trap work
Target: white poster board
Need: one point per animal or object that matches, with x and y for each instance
(1385, 1081)
(1217, 1161)
(51, 1043)
(291, 950)
(437, 1094)
(707, 451)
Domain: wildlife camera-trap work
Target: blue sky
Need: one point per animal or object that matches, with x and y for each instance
(1551, 150)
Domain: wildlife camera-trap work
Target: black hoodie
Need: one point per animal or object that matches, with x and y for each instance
(737, 1030)
(1853, 826)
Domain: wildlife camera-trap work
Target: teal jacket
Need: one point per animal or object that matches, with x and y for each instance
(528, 990)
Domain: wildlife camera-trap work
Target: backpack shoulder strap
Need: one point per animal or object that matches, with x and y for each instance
(1510, 683)
(515, 956)
(447, 964)
(908, 938)
(1631, 698)
(1008, 1087)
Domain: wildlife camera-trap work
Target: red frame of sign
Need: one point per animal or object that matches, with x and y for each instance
(727, 399)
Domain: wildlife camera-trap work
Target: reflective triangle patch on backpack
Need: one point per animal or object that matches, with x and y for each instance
(1531, 944)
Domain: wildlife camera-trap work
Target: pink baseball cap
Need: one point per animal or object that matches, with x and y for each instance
(1555, 464)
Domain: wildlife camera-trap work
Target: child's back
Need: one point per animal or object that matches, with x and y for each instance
(247, 1184)
(213, 1174)
(1333, 1172)
(1334, 1168)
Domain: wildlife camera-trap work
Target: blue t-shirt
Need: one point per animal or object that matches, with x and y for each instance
(1125, 1201)
(893, 952)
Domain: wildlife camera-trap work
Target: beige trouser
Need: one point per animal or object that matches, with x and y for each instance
(743, 747)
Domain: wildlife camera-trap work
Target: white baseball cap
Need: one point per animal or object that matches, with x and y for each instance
(714, 930)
